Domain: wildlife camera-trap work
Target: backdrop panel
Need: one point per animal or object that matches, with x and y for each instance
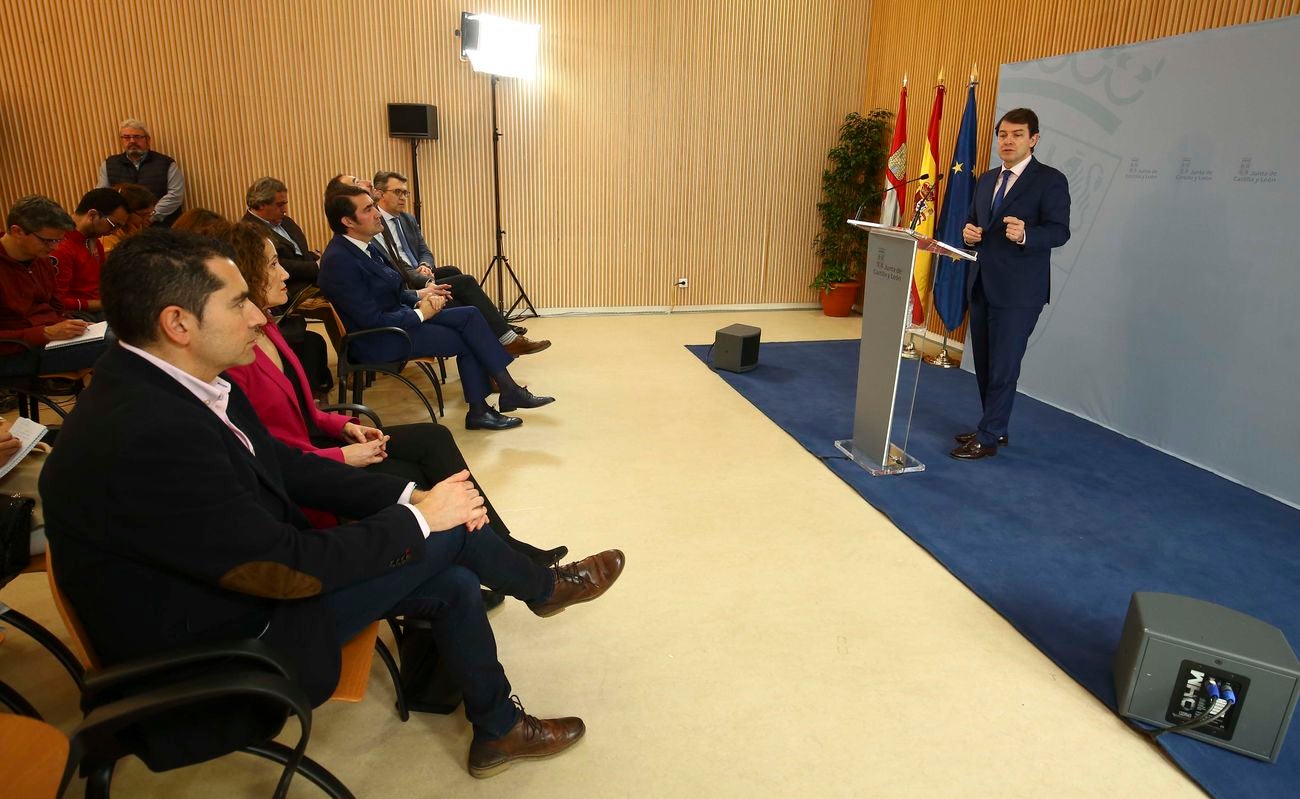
(1173, 313)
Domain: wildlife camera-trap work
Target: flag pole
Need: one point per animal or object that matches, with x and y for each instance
(942, 360)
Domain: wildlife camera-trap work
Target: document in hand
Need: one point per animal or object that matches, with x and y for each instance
(28, 432)
(94, 332)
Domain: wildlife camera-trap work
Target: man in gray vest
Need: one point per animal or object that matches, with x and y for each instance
(137, 163)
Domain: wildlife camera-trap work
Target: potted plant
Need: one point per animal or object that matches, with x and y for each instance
(852, 182)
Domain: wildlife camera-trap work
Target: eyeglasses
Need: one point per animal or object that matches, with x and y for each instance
(111, 224)
(398, 192)
(134, 137)
(45, 241)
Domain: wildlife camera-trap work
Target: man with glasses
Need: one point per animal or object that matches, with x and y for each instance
(137, 163)
(80, 255)
(30, 310)
(405, 246)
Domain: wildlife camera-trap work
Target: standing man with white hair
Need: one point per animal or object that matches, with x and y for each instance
(138, 163)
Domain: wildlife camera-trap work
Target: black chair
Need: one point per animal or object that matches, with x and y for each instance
(170, 711)
(358, 375)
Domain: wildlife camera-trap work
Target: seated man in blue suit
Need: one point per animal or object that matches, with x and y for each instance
(368, 291)
(404, 243)
(1021, 212)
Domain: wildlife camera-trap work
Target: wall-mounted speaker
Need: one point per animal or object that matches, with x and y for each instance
(412, 121)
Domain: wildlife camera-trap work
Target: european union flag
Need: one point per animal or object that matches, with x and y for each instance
(950, 280)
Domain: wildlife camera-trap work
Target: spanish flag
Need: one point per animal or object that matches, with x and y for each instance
(923, 206)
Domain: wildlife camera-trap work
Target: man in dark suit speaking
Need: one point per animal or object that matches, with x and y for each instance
(1021, 211)
(174, 517)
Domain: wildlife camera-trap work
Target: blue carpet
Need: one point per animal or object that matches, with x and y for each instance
(1058, 529)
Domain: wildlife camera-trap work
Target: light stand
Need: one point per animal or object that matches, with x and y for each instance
(415, 180)
(501, 48)
(499, 261)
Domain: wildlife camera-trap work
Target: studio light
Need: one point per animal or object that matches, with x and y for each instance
(499, 46)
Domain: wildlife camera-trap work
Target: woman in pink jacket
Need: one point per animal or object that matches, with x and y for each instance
(280, 393)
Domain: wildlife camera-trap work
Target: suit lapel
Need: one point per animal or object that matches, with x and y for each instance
(1022, 184)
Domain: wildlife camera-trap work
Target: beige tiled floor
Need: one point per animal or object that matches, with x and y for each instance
(773, 634)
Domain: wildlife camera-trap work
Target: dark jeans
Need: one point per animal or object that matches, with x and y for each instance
(444, 588)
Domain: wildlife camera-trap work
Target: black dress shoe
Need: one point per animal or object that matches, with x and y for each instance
(962, 438)
(492, 599)
(973, 450)
(490, 420)
(520, 330)
(523, 398)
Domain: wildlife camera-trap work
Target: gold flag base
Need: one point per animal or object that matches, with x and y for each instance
(942, 360)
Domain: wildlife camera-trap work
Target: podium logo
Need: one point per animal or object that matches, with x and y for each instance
(1137, 172)
(1187, 171)
(1247, 175)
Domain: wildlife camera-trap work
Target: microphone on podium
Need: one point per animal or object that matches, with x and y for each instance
(858, 214)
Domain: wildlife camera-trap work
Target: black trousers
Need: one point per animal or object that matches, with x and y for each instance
(425, 454)
(466, 291)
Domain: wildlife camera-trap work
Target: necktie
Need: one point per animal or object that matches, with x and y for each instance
(395, 242)
(377, 255)
(1002, 191)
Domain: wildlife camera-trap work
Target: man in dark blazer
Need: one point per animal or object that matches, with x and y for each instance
(1021, 212)
(368, 291)
(267, 201)
(173, 515)
(404, 244)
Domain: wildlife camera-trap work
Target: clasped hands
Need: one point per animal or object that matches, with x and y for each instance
(433, 298)
(453, 502)
(1015, 231)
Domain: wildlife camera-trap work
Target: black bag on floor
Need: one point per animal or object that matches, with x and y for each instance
(428, 687)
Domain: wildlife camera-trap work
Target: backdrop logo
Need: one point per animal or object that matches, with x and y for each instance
(1137, 172)
(1247, 175)
(1188, 171)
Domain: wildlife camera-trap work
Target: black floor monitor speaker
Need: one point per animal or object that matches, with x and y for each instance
(412, 121)
(735, 348)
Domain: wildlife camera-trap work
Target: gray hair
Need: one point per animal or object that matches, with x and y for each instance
(263, 192)
(382, 178)
(35, 212)
(135, 124)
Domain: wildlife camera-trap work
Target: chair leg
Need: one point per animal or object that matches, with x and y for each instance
(46, 639)
(442, 368)
(17, 703)
(437, 386)
(318, 774)
(402, 712)
(395, 626)
(98, 782)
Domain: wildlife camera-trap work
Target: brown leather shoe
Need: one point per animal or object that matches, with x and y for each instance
(973, 450)
(530, 739)
(522, 345)
(962, 438)
(582, 581)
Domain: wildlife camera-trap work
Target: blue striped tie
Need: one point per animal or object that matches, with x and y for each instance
(1002, 191)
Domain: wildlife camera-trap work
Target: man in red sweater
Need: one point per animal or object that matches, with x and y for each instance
(80, 255)
(29, 310)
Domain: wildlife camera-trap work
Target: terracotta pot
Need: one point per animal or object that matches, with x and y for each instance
(839, 300)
